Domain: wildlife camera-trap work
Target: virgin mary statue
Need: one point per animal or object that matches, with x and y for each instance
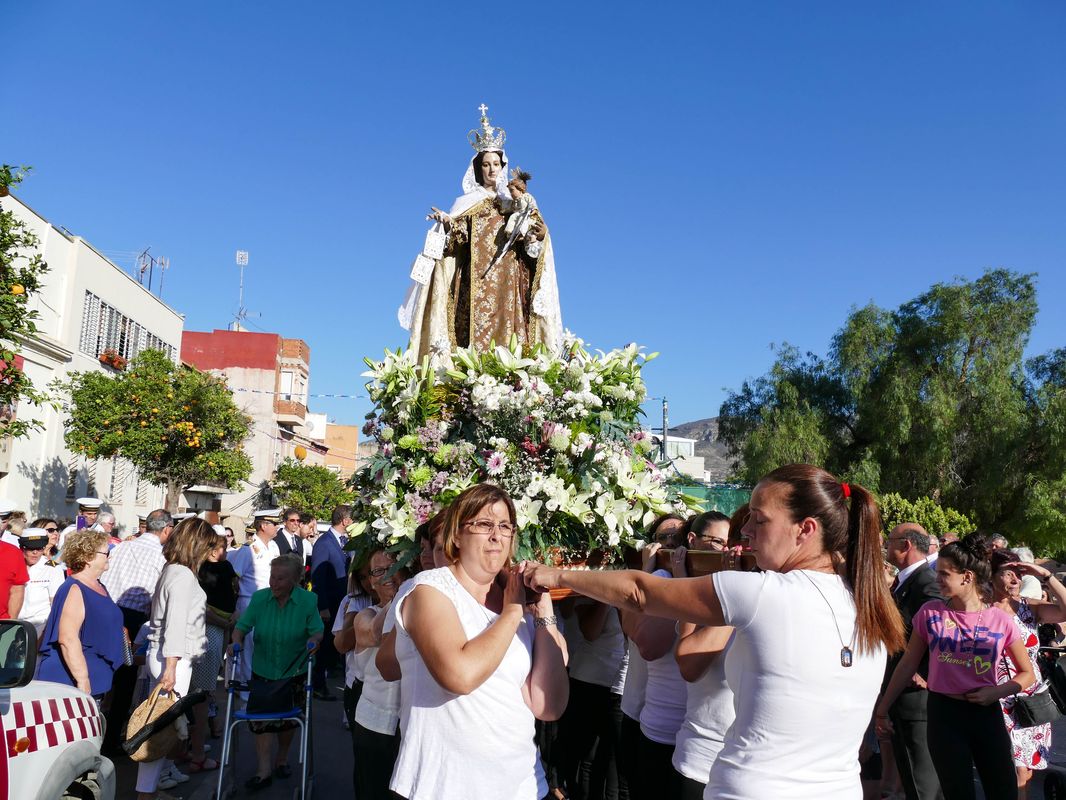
(493, 280)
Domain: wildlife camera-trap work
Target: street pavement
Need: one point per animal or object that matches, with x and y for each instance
(332, 768)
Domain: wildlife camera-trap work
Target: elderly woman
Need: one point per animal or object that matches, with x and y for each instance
(820, 606)
(177, 633)
(287, 627)
(83, 641)
(478, 664)
(1031, 745)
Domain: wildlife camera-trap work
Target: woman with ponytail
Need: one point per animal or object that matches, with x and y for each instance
(812, 633)
(965, 638)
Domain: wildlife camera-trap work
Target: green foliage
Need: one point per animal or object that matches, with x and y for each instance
(932, 516)
(930, 400)
(177, 426)
(309, 488)
(21, 269)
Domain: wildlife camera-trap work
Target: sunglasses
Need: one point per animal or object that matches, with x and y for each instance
(52, 530)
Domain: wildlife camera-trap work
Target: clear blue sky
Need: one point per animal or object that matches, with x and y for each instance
(717, 177)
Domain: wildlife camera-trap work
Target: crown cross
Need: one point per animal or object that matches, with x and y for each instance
(487, 137)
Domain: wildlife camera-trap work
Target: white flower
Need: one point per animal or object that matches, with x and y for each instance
(527, 511)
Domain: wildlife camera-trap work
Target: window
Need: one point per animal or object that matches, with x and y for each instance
(285, 390)
(105, 328)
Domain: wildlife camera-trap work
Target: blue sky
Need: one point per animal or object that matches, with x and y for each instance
(716, 177)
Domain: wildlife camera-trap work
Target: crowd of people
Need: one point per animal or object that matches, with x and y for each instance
(847, 664)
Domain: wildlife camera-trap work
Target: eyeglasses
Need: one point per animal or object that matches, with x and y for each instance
(52, 530)
(103, 553)
(715, 542)
(294, 519)
(377, 573)
(486, 527)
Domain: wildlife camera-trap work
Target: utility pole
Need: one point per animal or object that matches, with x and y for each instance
(666, 423)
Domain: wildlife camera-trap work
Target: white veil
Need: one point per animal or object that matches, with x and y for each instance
(474, 192)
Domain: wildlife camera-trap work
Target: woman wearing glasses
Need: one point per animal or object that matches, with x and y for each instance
(375, 734)
(478, 664)
(83, 642)
(51, 527)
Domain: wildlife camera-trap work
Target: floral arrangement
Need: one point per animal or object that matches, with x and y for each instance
(112, 358)
(560, 433)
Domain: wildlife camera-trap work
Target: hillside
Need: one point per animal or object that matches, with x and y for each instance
(705, 432)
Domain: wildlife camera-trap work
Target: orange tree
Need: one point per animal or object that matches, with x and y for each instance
(178, 426)
(21, 268)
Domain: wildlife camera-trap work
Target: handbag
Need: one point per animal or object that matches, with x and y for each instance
(422, 269)
(1035, 709)
(435, 240)
(162, 741)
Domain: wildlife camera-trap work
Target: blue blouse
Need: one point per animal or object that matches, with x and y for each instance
(101, 635)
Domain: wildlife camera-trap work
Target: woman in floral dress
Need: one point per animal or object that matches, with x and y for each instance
(1032, 746)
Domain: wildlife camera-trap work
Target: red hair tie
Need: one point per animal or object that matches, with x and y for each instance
(847, 490)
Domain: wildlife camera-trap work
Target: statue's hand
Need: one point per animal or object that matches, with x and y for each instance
(538, 230)
(440, 217)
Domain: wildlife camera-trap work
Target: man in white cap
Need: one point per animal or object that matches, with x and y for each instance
(89, 507)
(45, 579)
(252, 565)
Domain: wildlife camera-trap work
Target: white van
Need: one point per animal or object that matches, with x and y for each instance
(50, 733)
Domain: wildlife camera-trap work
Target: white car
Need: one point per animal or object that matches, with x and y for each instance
(50, 733)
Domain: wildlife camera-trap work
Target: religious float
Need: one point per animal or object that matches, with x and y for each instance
(492, 388)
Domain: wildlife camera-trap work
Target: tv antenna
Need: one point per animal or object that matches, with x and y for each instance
(146, 262)
(242, 312)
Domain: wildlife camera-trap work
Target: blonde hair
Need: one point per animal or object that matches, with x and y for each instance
(190, 543)
(467, 506)
(80, 548)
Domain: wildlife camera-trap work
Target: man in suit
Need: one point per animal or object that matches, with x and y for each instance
(288, 537)
(329, 581)
(907, 549)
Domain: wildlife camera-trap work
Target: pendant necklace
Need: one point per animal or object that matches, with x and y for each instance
(973, 633)
(846, 655)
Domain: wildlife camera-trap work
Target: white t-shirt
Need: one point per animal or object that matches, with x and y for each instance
(477, 746)
(599, 661)
(350, 603)
(801, 715)
(45, 581)
(708, 715)
(379, 703)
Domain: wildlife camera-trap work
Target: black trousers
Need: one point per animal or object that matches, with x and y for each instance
(654, 770)
(122, 687)
(588, 738)
(910, 746)
(682, 788)
(351, 700)
(628, 767)
(375, 758)
(963, 735)
(327, 656)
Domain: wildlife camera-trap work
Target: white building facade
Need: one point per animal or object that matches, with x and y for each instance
(86, 305)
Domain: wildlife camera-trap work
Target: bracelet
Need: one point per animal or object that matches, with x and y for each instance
(544, 622)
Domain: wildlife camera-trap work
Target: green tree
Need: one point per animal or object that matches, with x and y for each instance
(930, 400)
(21, 268)
(310, 488)
(932, 516)
(178, 426)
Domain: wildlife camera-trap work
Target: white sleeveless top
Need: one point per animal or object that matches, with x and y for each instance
(708, 715)
(465, 747)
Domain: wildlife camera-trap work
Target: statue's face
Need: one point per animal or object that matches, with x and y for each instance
(490, 168)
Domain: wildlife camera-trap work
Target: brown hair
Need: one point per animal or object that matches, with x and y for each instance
(190, 543)
(850, 533)
(737, 523)
(79, 548)
(465, 507)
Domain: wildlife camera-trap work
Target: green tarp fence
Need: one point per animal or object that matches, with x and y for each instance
(724, 497)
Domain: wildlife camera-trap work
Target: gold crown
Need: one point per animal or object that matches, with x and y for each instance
(488, 137)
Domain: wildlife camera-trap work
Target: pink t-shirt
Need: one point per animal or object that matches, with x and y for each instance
(964, 646)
